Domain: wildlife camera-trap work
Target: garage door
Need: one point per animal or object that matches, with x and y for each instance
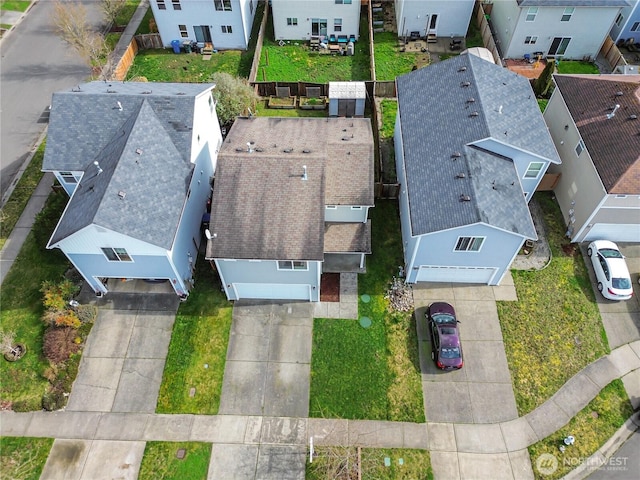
(455, 274)
(273, 291)
(614, 232)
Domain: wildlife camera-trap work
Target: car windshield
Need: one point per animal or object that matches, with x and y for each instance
(610, 253)
(621, 283)
(450, 352)
(444, 318)
(447, 330)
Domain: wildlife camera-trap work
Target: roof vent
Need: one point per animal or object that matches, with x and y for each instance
(462, 69)
(250, 146)
(465, 198)
(239, 149)
(288, 150)
(344, 139)
(465, 84)
(471, 100)
(139, 151)
(147, 92)
(455, 155)
(633, 116)
(474, 114)
(304, 172)
(613, 112)
(306, 150)
(258, 149)
(619, 94)
(97, 164)
(461, 175)
(122, 194)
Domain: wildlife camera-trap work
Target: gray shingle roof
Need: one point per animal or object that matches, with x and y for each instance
(455, 103)
(573, 3)
(261, 207)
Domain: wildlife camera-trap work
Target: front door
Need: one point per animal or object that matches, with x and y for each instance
(559, 46)
(319, 26)
(203, 34)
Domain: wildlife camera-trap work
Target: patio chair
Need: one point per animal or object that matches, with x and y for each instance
(332, 39)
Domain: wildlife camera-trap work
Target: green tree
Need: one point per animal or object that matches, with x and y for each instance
(234, 97)
(543, 82)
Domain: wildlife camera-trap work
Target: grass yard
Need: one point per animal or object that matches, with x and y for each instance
(23, 383)
(262, 110)
(591, 427)
(390, 61)
(160, 461)
(554, 329)
(10, 213)
(474, 37)
(296, 63)
(370, 373)
(389, 112)
(200, 337)
(573, 67)
(542, 103)
(342, 463)
(23, 458)
(15, 5)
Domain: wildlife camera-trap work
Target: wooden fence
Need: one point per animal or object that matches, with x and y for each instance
(613, 55)
(256, 54)
(388, 191)
(149, 41)
(120, 71)
(487, 37)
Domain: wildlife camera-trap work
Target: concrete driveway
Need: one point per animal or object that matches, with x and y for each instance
(481, 392)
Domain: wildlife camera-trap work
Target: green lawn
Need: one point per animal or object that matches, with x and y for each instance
(591, 428)
(22, 381)
(198, 349)
(369, 373)
(262, 110)
(403, 463)
(160, 461)
(389, 112)
(390, 61)
(474, 37)
(542, 103)
(23, 458)
(293, 63)
(571, 66)
(14, 5)
(554, 329)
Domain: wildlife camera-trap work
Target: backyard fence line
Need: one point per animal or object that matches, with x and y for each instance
(258, 51)
(485, 30)
(149, 41)
(612, 54)
(386, 191)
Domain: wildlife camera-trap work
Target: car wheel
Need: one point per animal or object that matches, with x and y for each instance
(589, 251)
(600, 287)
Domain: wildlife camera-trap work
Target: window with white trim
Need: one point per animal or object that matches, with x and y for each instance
(469, 244)
(534, 169)
(292, 21)
(531, 14)
(341, 2)
(337, 24)
(568, 12)
(357, 207)
(579, 148)
(161, 5)
(68, 177)
(176, 4)
(222, 5)
(635, 27)
(116, 254)
(619, 19)
(292, 265)
(226, 29)
(530, 39)
(183, 31)
(331, 207)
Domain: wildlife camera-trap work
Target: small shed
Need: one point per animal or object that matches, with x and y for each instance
(346, 99)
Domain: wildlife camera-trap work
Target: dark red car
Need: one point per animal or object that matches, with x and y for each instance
(445, 336)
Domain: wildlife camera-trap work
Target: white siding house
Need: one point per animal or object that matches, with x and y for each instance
(571, 29)
(471, 148)
(224, 23)
(597, 138)
(302, 19)
(439, 18)
(288, 208)
(143, 156)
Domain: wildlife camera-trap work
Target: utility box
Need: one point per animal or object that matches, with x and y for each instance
(347, 99)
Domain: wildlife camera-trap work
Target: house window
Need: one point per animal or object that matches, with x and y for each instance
(469, 244)
(292, 265)
(183, 31)
(116, 254)
(223, 5)
(619, 19)
(227, 29)
(345, 2)
(68, 177)
(531, 14)
(530, 40)
(176, 4)
(579, 148)
(359, 207)
(534, 170)
(161, 5)
(559, 46)
(566, 16)
(337, 24)
(635, 27)
(251, 7)
(292, 21)
(331, 207)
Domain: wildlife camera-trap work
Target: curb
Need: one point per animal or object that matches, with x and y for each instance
(7, 32)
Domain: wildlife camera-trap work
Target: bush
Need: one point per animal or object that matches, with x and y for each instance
(53, 400)
(59, 343)
(87, 313)
(26, 405)
(57, 295)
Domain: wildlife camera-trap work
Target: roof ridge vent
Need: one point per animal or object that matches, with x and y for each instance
(465, 198)
(474, 114)
(456, 155)
(465, 84)
(288, 150)
(462, 69)
(461, 175)
(471, 100)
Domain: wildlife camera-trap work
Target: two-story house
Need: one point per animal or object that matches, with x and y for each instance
(226, 24)
(137, 160)
(433, 18)
(571, 29)
(594, 122)
(303, 19)
(471, 148)
(627, 24)
(290, 201)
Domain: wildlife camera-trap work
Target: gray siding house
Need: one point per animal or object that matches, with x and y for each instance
(290, 201)
(471, 148)
(137, 160)
(597, 136)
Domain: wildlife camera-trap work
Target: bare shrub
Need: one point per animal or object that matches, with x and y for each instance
(59, 343)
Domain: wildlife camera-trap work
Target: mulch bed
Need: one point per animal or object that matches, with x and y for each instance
(330, 287)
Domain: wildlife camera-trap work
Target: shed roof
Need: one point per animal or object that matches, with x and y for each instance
(347, 90)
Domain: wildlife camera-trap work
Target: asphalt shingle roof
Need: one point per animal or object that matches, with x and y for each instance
(261, 206)
(347, 237)
(613, 143)
(453, 104)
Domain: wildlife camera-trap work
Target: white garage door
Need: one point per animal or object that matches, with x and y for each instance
(455, 274)
(273, 291)
(614, 232)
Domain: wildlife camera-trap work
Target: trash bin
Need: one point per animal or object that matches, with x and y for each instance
(187, 46)
(175, 44)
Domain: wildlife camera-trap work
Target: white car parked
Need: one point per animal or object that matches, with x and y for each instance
(612, 274)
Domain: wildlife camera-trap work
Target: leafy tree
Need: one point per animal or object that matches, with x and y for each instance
(234, 97)
(543, 82)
